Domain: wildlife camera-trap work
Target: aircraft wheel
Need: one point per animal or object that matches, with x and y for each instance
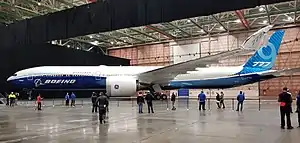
(164, 97)
(158, 97)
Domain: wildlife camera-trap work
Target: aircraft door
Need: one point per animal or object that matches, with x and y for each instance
(29, 78)
(98, 75)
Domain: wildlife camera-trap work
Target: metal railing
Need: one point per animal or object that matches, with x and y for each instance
(181, 103)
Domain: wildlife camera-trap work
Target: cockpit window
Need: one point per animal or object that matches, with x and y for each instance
(15, 74)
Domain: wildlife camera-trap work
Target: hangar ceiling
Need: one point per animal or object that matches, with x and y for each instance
(278, 14)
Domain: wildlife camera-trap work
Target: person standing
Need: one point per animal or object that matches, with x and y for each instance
(173, 98)
(202, 98)
(39, 102)
(222, 100)
(102, 103)
(298, 107)
(218, 100)
(288, 91)
(67, 98)
(107, 108)
(140, 101)
(12, 98)
(240, 98)
(285, 101)
(73, 97)
(94, 99)
(149, 99)
(7, 99)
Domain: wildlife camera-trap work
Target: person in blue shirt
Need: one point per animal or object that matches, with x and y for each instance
(240, 98)
(67, 98)
(202, 98)
(73, 99)
(298, 107)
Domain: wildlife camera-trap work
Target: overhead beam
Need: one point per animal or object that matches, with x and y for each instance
(180, 29)
(161, 31)
(216, 19)
(197, 25)
(268, 13)
(113, 37)
(240, 15)
(130, 36)
(295, 13)
(143, 33)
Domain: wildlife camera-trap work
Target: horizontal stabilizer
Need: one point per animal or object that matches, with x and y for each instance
(284, 72)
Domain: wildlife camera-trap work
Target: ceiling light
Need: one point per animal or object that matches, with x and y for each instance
(112, 42)
(265, 22)
(188, 21)
(91, 36)
(68, 46)
(77, 48)
(39, 4)
(95, 42)
(261, 9)
(238, 21)
(202, 30)
(124, 40)
(221, 27)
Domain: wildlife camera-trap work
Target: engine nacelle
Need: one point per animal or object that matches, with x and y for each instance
(121, 86)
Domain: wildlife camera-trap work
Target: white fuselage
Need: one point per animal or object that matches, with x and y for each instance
(133, 71)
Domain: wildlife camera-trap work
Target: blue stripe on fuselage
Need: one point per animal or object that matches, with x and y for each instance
(92, 82)
(226, 82)
(60, 82)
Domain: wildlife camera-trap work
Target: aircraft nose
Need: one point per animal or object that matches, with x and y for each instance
(9, 79)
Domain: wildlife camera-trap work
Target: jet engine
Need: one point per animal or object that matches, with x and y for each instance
(121, 86)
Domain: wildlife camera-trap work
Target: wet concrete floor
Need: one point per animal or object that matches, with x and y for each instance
(60, 124)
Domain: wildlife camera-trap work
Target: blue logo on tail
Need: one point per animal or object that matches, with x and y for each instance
(265, 57)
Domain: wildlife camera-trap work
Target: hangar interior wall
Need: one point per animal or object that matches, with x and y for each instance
(179, 51)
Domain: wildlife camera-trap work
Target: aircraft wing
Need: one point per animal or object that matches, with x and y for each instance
(164, 74)
(284, 72)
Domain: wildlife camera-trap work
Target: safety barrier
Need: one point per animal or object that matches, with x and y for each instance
(181, 103)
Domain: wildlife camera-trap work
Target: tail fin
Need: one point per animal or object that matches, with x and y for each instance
(257, 39)
(265, 57)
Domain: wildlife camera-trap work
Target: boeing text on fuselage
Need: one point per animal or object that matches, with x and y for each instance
(39, 82)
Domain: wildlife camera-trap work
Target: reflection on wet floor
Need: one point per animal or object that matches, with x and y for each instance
(186, 124)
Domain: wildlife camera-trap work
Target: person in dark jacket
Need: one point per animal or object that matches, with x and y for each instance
(67, 98)
(240, 98)
(94, 99)
(7, 99)
(102, 103)
(218, 100)
(298, 107)
(73, 97)
(140, 101)
(285, 101)
(202, 98)
(173, 98)
(288, 91)
(149, 99)
(222, 100)
(107, 109)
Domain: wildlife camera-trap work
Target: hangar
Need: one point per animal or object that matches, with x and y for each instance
(167, 32)
(180, 40)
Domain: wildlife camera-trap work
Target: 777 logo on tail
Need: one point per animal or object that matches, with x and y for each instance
(261, 64)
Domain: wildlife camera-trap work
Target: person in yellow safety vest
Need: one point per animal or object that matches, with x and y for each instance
(12, 98)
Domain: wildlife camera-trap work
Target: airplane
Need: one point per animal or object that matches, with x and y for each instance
(193, 74)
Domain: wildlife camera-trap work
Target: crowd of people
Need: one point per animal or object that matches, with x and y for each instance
(285, 102)
(100, 103)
